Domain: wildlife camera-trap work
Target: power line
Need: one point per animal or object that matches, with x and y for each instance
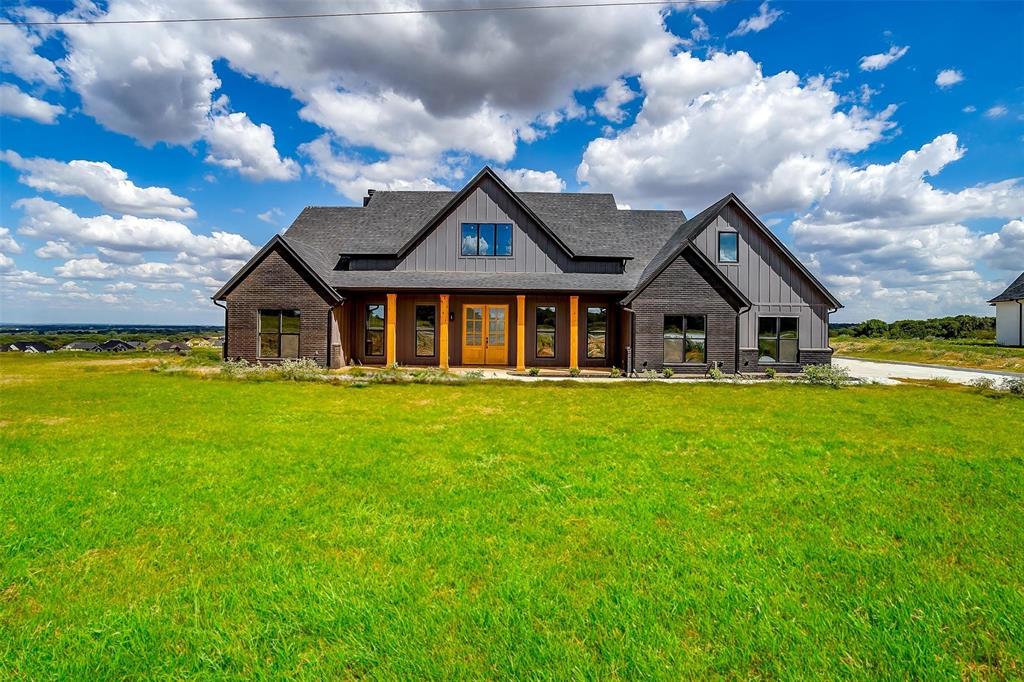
(369, 13)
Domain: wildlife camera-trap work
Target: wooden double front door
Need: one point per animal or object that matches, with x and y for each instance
(484, 334)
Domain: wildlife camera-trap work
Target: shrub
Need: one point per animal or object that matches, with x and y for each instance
(984, 383)
(668, 372)
(237, 369)
(650, 374)
(715, 373)
(533, 371)
(615, 373)
(1014, 386)
(574, 371)
(770, 372)
(827, 375)
(473, 375)
(303, 369)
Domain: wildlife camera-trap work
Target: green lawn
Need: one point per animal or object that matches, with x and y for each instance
(975, 353)
(158, 525)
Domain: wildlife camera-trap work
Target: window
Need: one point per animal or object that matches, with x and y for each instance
(426, 324)
(597, 332)
(374, 342)
(279, 333)
(486, 239)
(778, 339)
(728, 247)
(685, 338)
(545, 331)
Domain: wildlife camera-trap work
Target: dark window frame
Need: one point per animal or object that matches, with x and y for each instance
(736, 236)
(536, 331)
(476, 227)
(279, 332)
(416, 330)
(367, 329)
(777, 338)
(685, 329)
(603, 334)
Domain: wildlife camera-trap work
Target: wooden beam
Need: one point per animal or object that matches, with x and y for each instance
(442, 349)
(521, 333)
(574, 332)
(391, 316)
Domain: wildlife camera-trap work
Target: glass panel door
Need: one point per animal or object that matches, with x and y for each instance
(485, 334)
(473, 334)
(497, 335)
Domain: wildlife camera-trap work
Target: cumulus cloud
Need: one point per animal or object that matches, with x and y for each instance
(527, 180)
(877, 62)
(7, 242)
(271, 216)
(615, 95)
(764, 18)
(99, 181)
(997, 111)
(947, 78)
(87, 268)
(55, 249)
(236, 142)
(14, 102)
(1005, 249)
(712, 126)
(47, 220)
(18, 56)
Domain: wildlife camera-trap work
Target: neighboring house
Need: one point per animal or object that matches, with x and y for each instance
(489, 276)
(1010, 314)
(115, 346)
(81, 346)
(168, 347)
(29, 347)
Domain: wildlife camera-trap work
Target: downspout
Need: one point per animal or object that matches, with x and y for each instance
(224, 352)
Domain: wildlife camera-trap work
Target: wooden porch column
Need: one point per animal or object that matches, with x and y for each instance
(574, 332)
(390, 315)
(442, 350)
(521, 333)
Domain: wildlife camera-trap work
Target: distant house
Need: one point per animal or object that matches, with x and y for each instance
(1010, 314)
(28, 347)
(81, 346)
(167, 347)
(115, 346)
(199, 342)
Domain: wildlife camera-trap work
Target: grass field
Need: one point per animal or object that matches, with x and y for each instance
(976, 353)
(156, 525)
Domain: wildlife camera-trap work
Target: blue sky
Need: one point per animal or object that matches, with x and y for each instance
(142, 164)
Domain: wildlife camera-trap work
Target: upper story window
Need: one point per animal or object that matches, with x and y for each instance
(486, 239)
(279, 333)
(728, 247)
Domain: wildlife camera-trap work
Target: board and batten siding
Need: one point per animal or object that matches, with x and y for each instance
(765, 275)
(532, 249)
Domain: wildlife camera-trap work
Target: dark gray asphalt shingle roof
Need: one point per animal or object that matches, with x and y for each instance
(1014, 292)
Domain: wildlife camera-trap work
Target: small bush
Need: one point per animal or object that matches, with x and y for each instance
(650, 374)
(533, 371)
(237, 369)
(668, 372)
(574, 371)
(1014, 386)
(984, 383)
(715, 373)
(474, 375)
(615, 373)
(303, 369)
(827, 375)
(770, 372)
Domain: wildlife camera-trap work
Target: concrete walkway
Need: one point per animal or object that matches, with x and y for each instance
(888, 372)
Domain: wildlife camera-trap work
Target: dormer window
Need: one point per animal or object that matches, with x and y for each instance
(486, 239)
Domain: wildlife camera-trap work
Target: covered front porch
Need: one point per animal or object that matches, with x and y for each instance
(493, 330)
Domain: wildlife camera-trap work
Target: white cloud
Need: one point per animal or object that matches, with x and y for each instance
(877, 62)
(102, 183)
(120, 257)
(6, 263)
(1005, 249)
(14, 102)
(55, 249)
(764, 18)
(44, 219)
(236, 142)
(615, 95)
(997, 111)
(18, 56)
(22, 279)
(7, 242)
(527, 180)
(970, 109)
(271, 216)
(708, 127)
(947, 78)
(699, 33)
(87, 268)
(120, 287)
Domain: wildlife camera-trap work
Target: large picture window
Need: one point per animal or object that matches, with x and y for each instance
(279, 333)
(426, 326)
(545, 331)
(374, 333)
(597, 332)
(486, 239)
(728, 247)
(778, 339)
(685, 338)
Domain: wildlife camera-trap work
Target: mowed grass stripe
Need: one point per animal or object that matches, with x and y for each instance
(170, 526)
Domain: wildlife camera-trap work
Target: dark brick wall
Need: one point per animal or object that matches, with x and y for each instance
(275, 284)
(682, 289)
(749, 363)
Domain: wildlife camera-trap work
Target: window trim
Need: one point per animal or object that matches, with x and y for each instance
(684, 363)
(366, 329)
(737, 235)
(279, 312)
(536, 332)
(476, 225)
(586, 332)
(778, 338)
(416, 330)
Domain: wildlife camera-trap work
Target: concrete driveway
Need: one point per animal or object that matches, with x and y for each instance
(888, 372)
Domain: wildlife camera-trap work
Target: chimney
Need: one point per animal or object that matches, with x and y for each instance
(369, 195)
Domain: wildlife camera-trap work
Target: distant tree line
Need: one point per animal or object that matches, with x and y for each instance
(956, 327)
